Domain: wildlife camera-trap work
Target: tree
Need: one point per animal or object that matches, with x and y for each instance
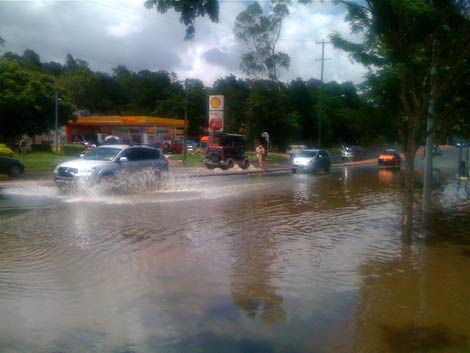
(80, 85)
(189, 10)
(173, 105)
(302, 96)
(31, 59)
(268, 109)
(260, 34)
(417, 49)
(236, 92)
(27, 101)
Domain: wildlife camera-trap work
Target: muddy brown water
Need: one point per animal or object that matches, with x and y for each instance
(273, 263)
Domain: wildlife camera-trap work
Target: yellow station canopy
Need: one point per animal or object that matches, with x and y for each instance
(116, 120)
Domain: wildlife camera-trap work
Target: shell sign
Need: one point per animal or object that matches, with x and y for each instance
(216, 113)
(216, 121)
(216, 102)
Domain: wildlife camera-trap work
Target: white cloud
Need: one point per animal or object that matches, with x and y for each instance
(122, 29)
(123, 32)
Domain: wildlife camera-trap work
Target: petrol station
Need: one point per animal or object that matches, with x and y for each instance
(132, 129)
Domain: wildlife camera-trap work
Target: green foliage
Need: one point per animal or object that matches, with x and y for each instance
(41, 161)
(288, 112)
(73, 149)
(5, 151)
(173, 105)
(189, 10)
(191, 158)
(268, 110)
(236, 93)
(40, 147)
(26, 100)
(403, 40)
(260, 33)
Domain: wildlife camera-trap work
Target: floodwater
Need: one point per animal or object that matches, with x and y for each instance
(258, 263)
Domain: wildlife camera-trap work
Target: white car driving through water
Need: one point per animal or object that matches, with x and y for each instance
(110, 162)
(310, 161)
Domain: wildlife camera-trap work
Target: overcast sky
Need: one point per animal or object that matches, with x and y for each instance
(108, 33)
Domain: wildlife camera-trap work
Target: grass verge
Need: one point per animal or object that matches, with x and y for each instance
(191, 159)
(41, 161)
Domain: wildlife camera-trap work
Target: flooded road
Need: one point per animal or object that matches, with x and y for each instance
(257, 263)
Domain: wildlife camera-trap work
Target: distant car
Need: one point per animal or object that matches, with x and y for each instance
(11, 166)
(353, 153)
(191, 146)
(311, 161)
(109, 162)
(389, 158)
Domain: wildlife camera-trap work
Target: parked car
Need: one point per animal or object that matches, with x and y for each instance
(172, 147)
(109, 162)
(311, 161)
(353, 153)
(11, 166)
(389, 158)
(191, 146)
(229, 151)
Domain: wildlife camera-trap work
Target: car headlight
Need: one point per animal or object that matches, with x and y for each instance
(87, 170)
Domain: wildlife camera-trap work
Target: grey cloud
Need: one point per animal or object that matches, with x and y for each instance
(228, 60)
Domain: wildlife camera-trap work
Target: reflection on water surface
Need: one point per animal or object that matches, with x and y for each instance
(288, 263)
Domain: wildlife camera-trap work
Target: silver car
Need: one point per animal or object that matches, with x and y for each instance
(309, 161)
(109, 162)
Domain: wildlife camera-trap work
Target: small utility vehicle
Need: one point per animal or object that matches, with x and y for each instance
(227, 151)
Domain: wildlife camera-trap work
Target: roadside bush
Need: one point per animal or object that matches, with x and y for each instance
(5, 151)
(73, 149)
(39, 147)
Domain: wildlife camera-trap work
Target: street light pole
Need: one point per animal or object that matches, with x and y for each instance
(56, 125)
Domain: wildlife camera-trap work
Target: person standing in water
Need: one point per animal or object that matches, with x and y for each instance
(260, 152)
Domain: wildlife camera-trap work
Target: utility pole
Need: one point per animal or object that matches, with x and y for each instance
(320, 110)
(429, 143)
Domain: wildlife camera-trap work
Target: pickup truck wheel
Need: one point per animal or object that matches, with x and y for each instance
(294, 171)
(245, 164)
(230, 164)
(214, 157)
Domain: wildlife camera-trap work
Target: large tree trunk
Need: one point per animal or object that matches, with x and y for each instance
(408, 199)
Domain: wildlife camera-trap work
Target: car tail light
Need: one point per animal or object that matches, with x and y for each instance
(387, 157)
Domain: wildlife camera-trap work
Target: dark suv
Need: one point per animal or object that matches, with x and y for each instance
(229, 151)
